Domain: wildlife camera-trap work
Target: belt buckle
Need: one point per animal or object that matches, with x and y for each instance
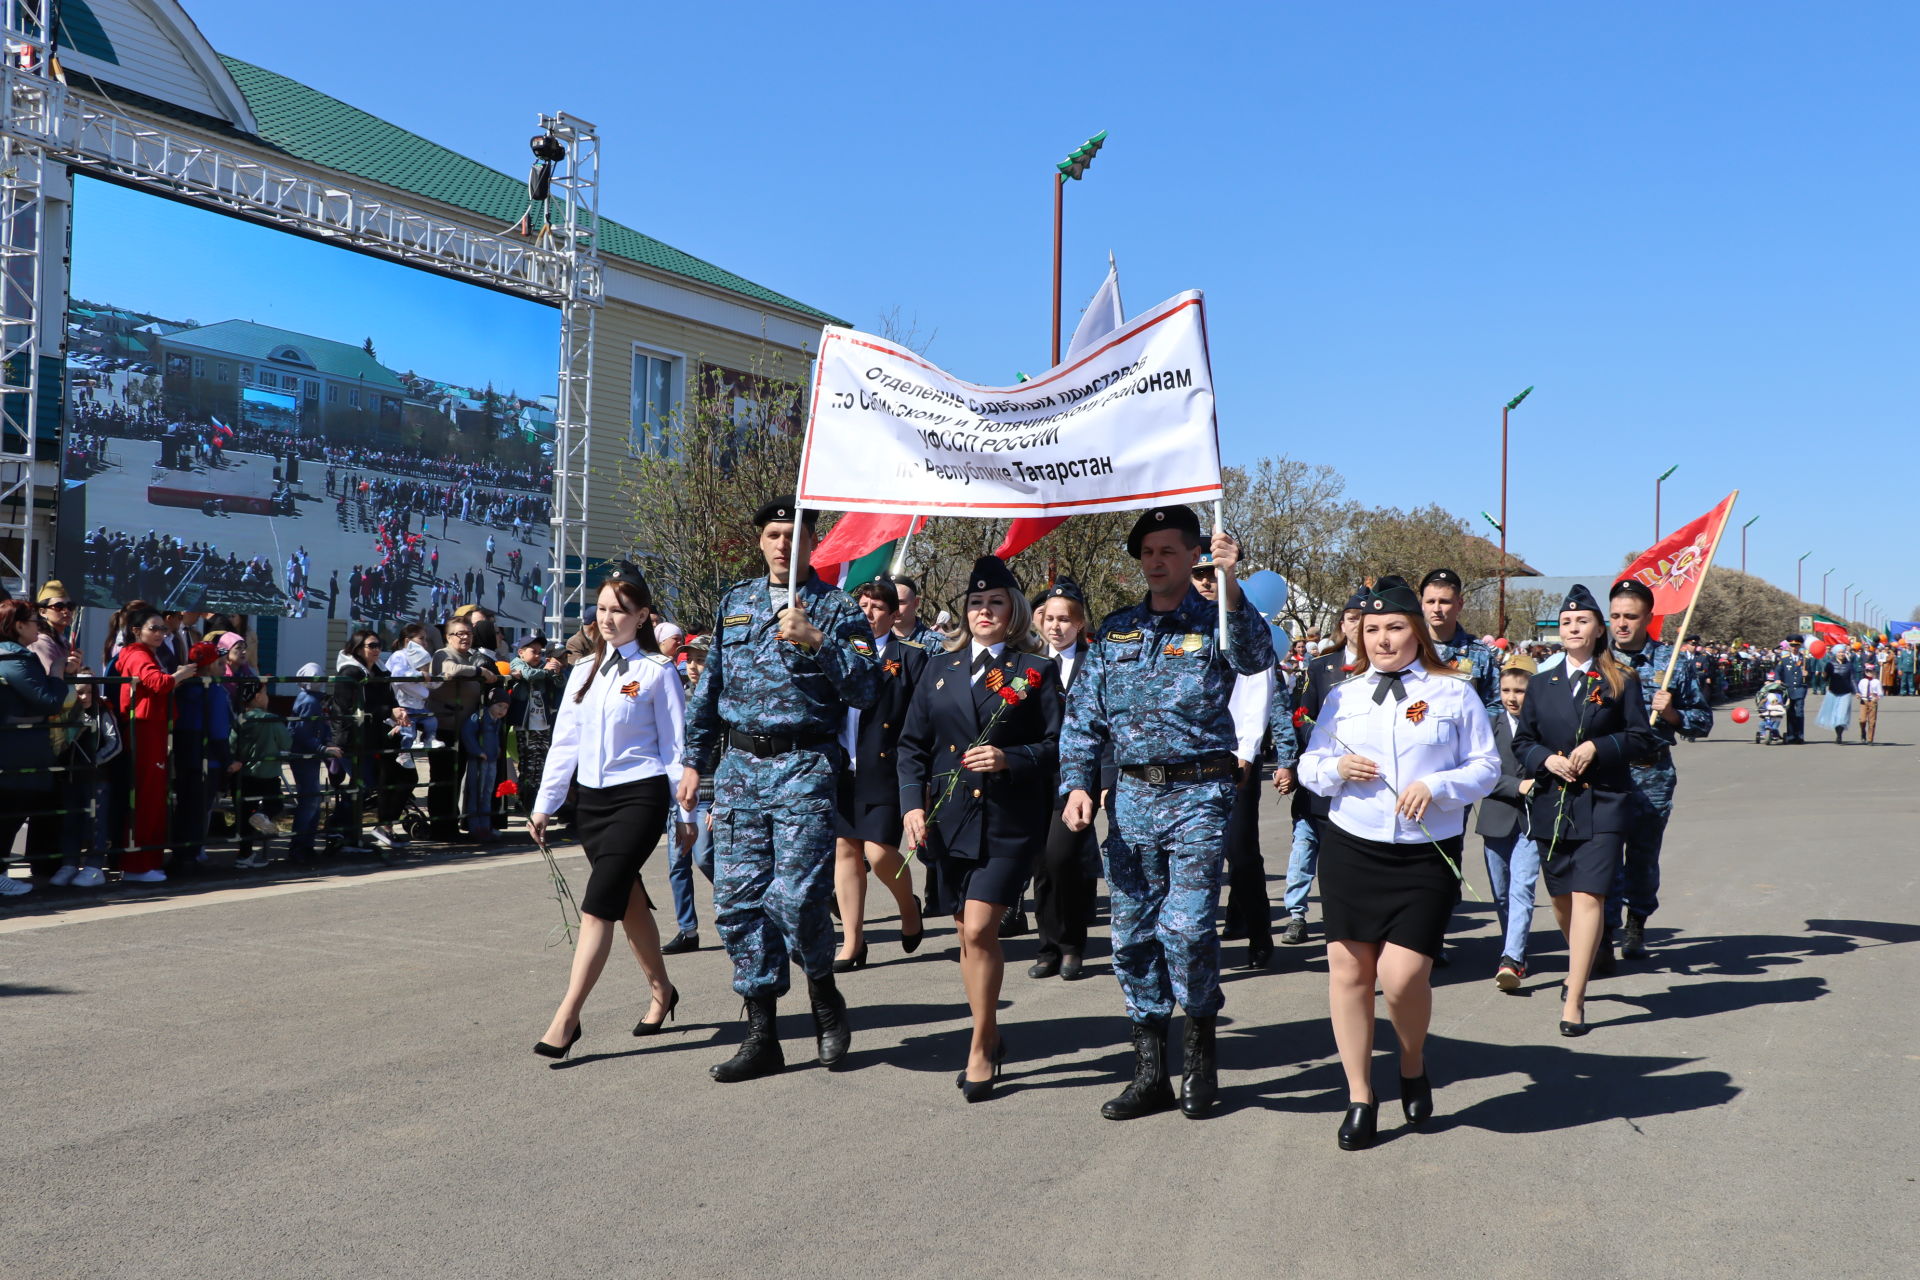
(763, 743)
(1157, 775)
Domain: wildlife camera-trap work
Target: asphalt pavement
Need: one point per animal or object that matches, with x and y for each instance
(333, 1077)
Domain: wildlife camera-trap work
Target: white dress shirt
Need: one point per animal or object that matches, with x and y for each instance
(1066, 658)
(973, 656)
(1248, 704)
(1451, 749)
(628, 727)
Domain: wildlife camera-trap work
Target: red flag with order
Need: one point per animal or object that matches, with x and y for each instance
(1024, 532)
(859, 532)
(1674, 567)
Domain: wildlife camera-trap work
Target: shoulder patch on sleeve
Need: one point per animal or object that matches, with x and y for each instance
(861, 645)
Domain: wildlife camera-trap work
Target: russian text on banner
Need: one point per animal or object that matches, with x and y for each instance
(1125, 425)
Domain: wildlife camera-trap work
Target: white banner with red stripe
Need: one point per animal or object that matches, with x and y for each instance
(1127, 424)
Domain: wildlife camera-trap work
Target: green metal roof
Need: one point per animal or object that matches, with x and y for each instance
(311, 126)
(245, 340)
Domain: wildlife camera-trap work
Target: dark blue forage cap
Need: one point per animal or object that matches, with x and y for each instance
(1580, 599)
(1391, 594)
(990, 572)
(1064, 589)
(1358, 600)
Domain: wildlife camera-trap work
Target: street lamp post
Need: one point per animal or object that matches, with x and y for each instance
(1799, 567)
(1075, 167)
(1743, 543)
(1657, 482)
(1846, 610)
(1823, 589)
(1505, 409)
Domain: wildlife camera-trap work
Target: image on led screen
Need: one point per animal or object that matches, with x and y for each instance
(262, 424)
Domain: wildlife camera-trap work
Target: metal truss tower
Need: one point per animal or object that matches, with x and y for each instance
(574, 232)
(23, 162)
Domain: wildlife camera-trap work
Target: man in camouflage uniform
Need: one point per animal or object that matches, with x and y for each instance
(1442, 596)
(1682, 706)
(1795, 675)
(1156, 687)
(779, 680)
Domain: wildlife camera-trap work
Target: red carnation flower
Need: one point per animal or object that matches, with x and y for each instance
(1033, 676)
(507, 788)
(1300, 718)
(1010, 696)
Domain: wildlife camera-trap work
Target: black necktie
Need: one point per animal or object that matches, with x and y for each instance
(616, 663)
(981, 661)
(1390, 680)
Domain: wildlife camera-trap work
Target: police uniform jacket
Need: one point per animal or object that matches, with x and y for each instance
(1156, 686)
(757, 683)
(1688, 689)
(983, 814)
(1478, 662)
(876, 780)
(1553, 721)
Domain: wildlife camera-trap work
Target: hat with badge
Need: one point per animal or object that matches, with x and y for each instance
(1580, 600)
(628, 574)
(780, 511)
(1391, 594)
(1064, 589)
(1358, 600)
(991, 573)
(1158, 519)
(1445, 577)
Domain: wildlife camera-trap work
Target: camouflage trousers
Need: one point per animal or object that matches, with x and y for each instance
(773, 866)
(1163, 854)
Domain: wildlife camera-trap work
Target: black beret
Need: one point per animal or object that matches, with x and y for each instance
(1358, 600)
(780, 511)
(990, 572)
(1156, 519)
(1580, 599)
(1392, 595)
(1633, 589)
(1064, 589)
(1445, 577)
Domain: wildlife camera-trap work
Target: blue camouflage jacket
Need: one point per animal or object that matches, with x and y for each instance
(1478, 662)
(1156, 687)
(756, 682)
(1689, 690)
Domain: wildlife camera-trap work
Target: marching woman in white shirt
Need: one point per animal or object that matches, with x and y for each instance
(619, 738)
(1401, 749)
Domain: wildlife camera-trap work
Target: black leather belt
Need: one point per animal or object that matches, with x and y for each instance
(775, 744)
(1661, 761)
(1162, 775)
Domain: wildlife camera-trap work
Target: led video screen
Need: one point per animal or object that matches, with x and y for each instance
(263, 424)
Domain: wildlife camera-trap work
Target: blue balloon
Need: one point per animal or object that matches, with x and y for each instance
(1267, 591)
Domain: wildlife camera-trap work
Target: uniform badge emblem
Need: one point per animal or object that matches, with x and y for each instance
(862, 646)
(1192, 642)
(736, 620)
(941, 683)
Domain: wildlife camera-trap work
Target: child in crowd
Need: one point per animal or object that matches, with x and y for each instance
(1868, 692)
(260, 742)
(312, 736)
(483, 735)
(85, 739)
(1772, 704)
(410, 665)
(1513, 859)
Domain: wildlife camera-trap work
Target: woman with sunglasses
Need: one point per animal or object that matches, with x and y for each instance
(977, 760)
(364, 715)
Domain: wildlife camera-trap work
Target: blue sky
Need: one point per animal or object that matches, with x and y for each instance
(1689, 225)
(164, 258)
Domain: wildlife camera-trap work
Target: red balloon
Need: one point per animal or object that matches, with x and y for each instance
(1740, 715)
(1818, 649)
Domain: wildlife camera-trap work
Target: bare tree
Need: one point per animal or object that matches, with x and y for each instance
(1293, 517)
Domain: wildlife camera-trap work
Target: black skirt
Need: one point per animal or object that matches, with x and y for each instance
(1584, 866)
(618, 827)
(954, 882)
(1376, 891)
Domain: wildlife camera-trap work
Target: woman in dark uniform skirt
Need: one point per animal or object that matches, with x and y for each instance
(868, 834)
(1584, 723)
(618, 739)
(980, 814)
(1401, 750)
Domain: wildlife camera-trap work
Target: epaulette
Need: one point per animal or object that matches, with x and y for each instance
(662, 659)
(911, 644)
(1350, 679)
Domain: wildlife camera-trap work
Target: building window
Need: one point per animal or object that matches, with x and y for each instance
(657, 386)
(313, 390)
(199, 367)
(353, 399)
(220, 371)
(333, 394)
(246, 374)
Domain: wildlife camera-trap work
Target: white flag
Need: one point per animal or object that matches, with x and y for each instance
(1103, 314)
(1128, 424)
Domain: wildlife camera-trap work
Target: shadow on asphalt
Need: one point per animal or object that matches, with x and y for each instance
(29, 989)
(1881, 931)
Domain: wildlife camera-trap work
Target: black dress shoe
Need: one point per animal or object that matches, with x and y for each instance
(645, 1028)
(1069, 966)
(682, 943)
(981, 1090)
(847, 964)
(546, 1050)
(1572, 1029)
(1357, 1130)
(910, 942)
(1259, 953)
(1045, 967)
(1416, 1099)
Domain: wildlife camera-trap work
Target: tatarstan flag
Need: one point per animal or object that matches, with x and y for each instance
(1674, 568)
(861, 546)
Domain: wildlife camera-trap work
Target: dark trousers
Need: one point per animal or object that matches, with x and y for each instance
(1247, 905)
(1063, 888)
(444, 769)
(251, 795)
(190, 800)
(1797, 719)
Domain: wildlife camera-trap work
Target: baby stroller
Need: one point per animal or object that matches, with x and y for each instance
(1772, 702)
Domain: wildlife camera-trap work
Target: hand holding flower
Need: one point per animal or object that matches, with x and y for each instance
(1562, 768)
(1581, 757)
(913, 828)
(1414, 799)
(1357, 768)
(984, 760)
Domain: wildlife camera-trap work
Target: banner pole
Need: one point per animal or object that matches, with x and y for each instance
(793, 560)
(1226, 646)
(1686, 620)
(899, 560)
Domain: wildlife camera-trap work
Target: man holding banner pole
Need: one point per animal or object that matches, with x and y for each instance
(788, 660)
(1157, 686)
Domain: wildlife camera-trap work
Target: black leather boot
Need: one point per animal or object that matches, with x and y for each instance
(1150, 1091)
(1634, 939)
(1199, 1081)
(831, 1031)
(759, 1054)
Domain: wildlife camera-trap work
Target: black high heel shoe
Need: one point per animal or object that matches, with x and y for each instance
(1416, 1099)
(910, 942)
(1357, 1130)
(546, 1050)
(858, 960)
(1572, 1029)
(645, 1028)
(981, 1090)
